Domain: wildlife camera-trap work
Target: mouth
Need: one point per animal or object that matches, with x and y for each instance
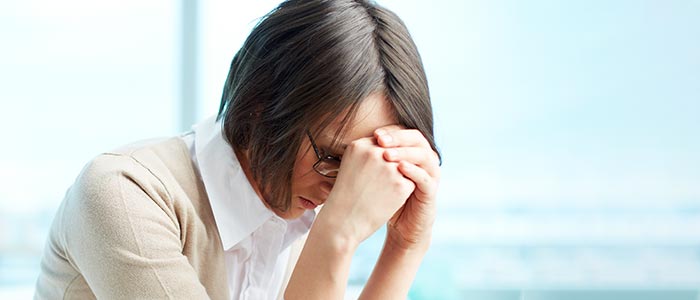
(307, 204)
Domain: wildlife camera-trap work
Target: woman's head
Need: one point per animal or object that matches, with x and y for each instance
(307, 66)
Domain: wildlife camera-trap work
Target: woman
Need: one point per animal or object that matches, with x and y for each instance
(325, 103)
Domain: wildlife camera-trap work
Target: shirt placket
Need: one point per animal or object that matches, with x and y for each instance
(267, 243)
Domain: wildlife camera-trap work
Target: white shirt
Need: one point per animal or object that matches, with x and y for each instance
(255, 240)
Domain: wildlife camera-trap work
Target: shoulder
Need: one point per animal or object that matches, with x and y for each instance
(136, 171)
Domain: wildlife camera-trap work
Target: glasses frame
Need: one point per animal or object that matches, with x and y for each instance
(325, 159)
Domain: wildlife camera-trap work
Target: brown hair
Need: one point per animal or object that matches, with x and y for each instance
(306, 63)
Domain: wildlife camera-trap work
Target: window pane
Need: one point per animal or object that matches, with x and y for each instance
(79, 77)
(569, 134)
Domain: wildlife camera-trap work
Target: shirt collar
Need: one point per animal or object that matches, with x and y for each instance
(237, 208)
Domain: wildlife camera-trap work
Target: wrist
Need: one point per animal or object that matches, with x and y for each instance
(339, 237)
(395, 242)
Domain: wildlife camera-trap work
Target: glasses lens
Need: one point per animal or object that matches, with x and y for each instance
(327, 167)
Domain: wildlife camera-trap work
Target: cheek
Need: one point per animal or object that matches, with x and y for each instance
(304, 174)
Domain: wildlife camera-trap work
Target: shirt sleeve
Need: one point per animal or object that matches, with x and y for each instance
(122, 236)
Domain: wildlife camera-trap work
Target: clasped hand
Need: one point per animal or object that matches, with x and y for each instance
(390, 177)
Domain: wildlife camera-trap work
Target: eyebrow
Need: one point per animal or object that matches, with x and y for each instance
(339, 149)
(340, 146)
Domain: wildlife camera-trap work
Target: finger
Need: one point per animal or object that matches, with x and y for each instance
(426, 185)
(420, 156)
(366, 141)
(386, 129)
(401, 138)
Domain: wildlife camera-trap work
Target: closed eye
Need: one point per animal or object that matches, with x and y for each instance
(327, 156)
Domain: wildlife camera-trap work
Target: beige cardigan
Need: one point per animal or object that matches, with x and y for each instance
(137, 225)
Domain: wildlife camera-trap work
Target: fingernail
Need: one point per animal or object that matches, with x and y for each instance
(386, 138)
(379, 133)
(392, 153)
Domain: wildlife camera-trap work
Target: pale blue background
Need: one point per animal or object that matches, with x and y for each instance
(569, 131)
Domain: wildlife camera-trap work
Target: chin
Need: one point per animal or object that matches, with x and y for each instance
(294, 212)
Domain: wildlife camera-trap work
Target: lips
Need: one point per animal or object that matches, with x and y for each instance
(308, 204)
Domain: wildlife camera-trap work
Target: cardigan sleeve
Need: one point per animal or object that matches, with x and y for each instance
(122, 235)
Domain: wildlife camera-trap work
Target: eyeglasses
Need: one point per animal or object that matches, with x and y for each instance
(327, 165)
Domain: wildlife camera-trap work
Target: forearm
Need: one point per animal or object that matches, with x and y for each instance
(324, 264)
(394, 272)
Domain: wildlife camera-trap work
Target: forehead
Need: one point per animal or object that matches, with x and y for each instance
(374, 112)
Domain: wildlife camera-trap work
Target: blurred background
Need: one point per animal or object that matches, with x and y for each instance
(569, 131)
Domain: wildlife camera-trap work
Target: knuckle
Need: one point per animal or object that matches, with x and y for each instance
(408, 186)
(388, 169)
(401, 185)
(359, 148)
(373, 153)
(414, 131)
(434, 154)
(364, 154)
(353, 146)
(416, 134)
(434, 158)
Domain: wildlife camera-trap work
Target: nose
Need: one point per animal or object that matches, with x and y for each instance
(326, 187)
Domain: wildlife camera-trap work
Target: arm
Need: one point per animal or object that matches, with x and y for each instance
(120, 236)
(375, 184)
(323, 266)
(367, 192)
(394, 272)
(409, 230)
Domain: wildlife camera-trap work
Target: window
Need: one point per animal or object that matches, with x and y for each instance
(568, 131)
(78, 78)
